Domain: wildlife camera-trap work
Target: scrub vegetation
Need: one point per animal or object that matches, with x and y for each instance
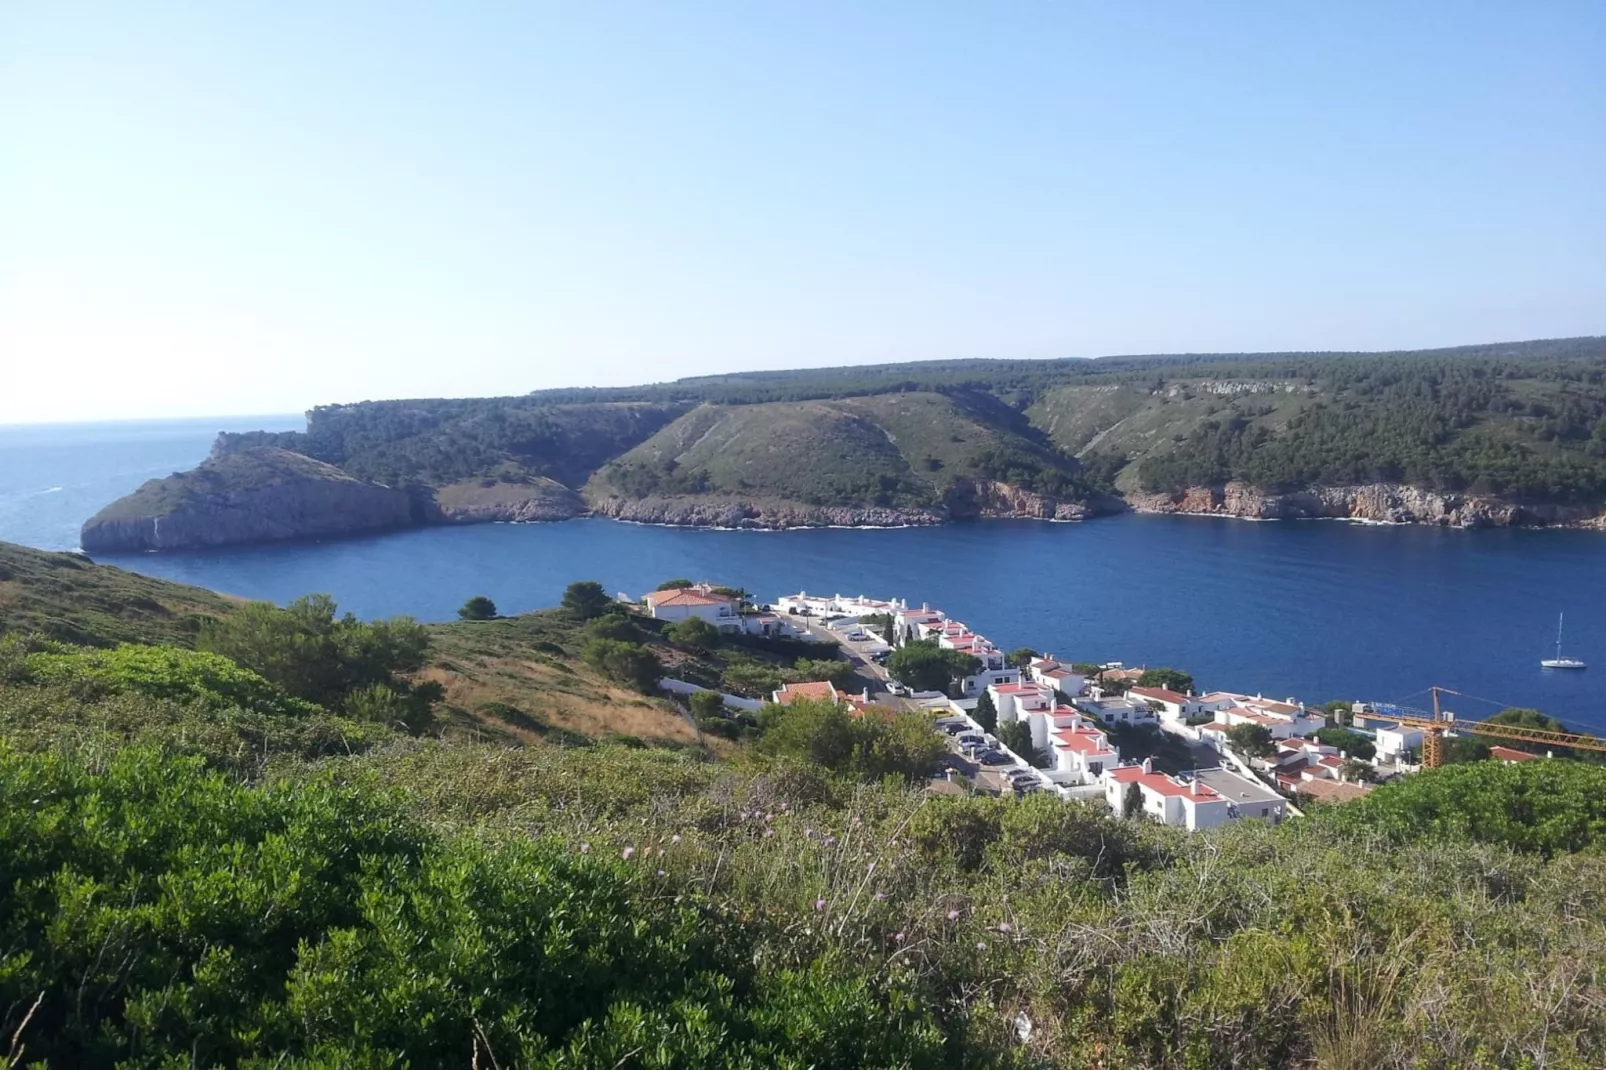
(204, 867)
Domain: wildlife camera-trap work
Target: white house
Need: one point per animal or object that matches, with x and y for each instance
(1173, 705)
(1202, 799)
(1060, 677)
(683, 603)
(1396, 741)
(1081, 750)
(1115, 709)
(1016, 702)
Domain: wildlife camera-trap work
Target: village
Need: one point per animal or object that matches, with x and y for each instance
(1141, 741)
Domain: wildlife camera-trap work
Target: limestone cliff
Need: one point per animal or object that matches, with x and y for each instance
(478, 501)
(1391, 503)
(260, 494)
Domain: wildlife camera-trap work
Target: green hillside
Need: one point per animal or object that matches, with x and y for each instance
(889, 450)
(1524, 422)
(67, 597)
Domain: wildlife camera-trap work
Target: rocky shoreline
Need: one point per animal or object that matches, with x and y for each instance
(1383, 503)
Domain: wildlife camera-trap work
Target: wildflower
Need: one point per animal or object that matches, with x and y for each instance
(768, 833)
(953, 915)
(628, 853)
(878, 897)
(661, 873)
(675, 838)
(809, 833)
(980, 946)
(819, 904)
(897, 938)
(1004, 927)
(585, 848)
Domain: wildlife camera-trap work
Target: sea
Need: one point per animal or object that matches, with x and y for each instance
(1316, 610)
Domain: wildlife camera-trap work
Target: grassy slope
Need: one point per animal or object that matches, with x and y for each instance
(890, 449)
(234, 471)
(65, 596)
(521, 680)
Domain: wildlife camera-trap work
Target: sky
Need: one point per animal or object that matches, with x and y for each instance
(211, 209)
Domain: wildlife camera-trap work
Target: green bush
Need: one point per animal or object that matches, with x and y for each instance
(160, 915)
(867, 747)
(630, 664)
(162, 672)
(693, 633)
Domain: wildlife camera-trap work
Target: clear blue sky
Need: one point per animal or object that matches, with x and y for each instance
(212, 208)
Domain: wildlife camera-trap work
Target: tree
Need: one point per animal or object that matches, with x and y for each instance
(707, 704)
(985, 713)
(1518, 717)
(1170, 679)
(1132, 801)
(1251, 740)
(1357, 772)
(611, 626)
(1338, 711)
(1022, 657)
(890, 632)
(311, 653)
(630, 664)
(1352, 743)
(1017, 736)
(866, 747)
(478, 608)
(924, 666)
(674, 585)
(586, 599)
(694, 633)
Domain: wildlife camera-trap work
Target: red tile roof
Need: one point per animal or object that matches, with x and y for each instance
(1159, 694)
(686, 596)
(1511, 754)
(823, 689)
(1162, 784)
(1082, 741)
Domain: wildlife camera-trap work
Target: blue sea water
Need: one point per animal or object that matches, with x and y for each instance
(1315, 610)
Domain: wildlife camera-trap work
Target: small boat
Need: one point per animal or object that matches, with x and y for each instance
(1559, 662)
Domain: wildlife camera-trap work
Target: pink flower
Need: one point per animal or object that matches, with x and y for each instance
(878, 897)
(897, 938)
(627, 853)
(585, 848)
(819, 904)
(953, 915)
(1004, 927)
(768, 833)
(980, 946)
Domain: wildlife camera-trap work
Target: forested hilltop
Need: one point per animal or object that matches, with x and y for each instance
(1499, 434)
(246, 835)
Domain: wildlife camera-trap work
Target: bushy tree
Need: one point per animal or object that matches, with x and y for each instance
(617, 626)
(1022, 657)
(837, 670)
(924, 666)
(478, 608)
(1170, 679)
(870, 746)
(1017, 736)
(312, 653)
(705, 704)
(1251, 740)
(630, 664)
(693, 633)
(985, 713)
(1352, 743)
(674, 585)
(586, 599)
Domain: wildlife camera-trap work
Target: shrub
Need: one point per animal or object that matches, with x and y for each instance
(925, 666)
(478, 608)
(867, 747)
(630, 664)
(163, 672)
(1170, 679)
(693, 633)
(586, 599)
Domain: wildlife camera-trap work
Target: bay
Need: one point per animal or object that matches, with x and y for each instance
(1316, 610)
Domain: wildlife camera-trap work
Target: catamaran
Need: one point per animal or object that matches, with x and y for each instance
(1559, 662)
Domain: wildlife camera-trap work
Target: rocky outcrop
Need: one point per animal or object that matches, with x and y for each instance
(252, 495)
(1390, 503)
(713, 511)
(520, 501)
(990, 498)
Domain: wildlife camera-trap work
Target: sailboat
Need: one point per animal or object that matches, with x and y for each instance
(1559, 662)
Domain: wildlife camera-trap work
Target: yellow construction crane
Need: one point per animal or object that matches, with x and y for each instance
(1433, 729)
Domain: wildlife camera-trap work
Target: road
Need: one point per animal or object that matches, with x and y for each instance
(871, 674)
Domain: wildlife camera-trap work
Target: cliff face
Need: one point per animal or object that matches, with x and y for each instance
(488, 501)
(990, 498)
(253, 495)
(1381, 502)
